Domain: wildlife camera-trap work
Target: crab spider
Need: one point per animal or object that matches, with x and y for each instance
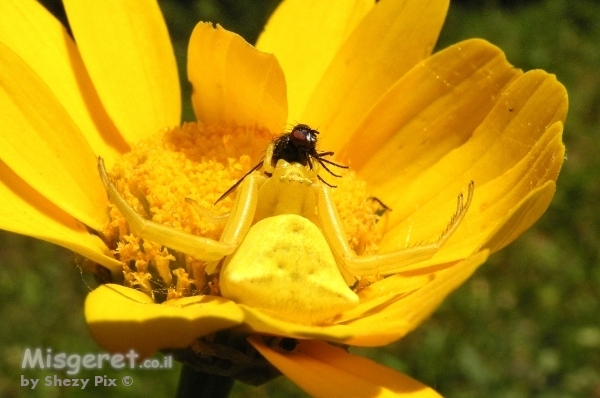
(284, 244)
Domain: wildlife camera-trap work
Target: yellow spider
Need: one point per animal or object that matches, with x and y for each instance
(284, 246)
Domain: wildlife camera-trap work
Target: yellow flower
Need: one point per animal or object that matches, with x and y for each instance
(414, 127)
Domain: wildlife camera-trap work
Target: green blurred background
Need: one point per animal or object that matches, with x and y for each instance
(525, 325)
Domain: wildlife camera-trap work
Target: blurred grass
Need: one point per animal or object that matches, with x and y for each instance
(526, 325)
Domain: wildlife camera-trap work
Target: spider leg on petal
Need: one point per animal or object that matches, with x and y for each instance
(198, 247)
(385, 263)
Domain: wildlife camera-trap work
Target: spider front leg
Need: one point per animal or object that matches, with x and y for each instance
(385, 263)
(198, 247)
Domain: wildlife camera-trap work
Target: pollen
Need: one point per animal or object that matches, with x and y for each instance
(361, 215)
(170, 178)
(175, 177)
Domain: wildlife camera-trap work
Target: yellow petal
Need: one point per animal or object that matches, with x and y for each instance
(395, 320)
(433, 109)
(526, 189)
(258, 322)
(42, 145)
(26, 212)
(388, 42)
(326, 371)
(233, 83)
(29, 30)
(492, 201)
(521, 217)
(385, 291)
(127, 51)
(304, 36)
(121, 319)
(522, 114)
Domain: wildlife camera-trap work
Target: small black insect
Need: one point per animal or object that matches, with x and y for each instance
(297, 146)
(383, 208)
(288, 344)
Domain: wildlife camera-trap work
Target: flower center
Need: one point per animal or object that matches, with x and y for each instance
(175, 177)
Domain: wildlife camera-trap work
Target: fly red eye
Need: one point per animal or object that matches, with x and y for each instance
(299, 136)
(304, 136)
